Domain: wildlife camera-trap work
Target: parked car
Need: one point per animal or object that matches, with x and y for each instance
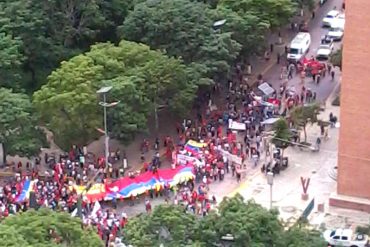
(326, 22)
(325, 49)
(336, 30)
(345, 237)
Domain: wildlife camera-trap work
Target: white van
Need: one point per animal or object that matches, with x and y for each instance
(299, 47)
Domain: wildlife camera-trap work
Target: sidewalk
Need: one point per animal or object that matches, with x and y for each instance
(287, 187)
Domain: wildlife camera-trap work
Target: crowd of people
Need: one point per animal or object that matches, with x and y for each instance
(55, 189)
(223, 150)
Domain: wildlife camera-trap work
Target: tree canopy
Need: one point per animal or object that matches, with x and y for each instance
(62, 52)
(303, 115)
(247, 222)
(18, 131)
(282, 133)
(141, 78)
(50, 31)
(183, 29)
(46, 228)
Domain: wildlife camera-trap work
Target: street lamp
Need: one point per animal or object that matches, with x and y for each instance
(270, 181)
(103, 91)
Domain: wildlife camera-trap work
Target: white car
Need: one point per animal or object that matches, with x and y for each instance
(336, 33)
(345, 237)
(326, 22)
(325, 49)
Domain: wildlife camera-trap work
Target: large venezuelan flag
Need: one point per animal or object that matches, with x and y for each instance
(127, 187)
(25, 193)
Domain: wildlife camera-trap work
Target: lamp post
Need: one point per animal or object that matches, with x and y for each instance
(103, 91)
(270, 181)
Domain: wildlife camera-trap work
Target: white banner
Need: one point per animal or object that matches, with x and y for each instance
(231, 157)
(236, 125)
(182, 159)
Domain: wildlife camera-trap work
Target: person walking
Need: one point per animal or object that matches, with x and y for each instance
(290, 73)
(329, 68)
(332, 75)
(318, 77)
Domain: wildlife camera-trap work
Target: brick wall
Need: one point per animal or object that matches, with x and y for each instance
(354, 137)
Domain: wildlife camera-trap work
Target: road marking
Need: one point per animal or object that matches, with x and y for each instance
(244, 185)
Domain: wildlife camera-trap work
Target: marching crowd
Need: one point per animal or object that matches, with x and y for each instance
(223, 151)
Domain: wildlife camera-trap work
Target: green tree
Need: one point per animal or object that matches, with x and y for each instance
(249, 223)
(336, 58)
(301, 236)
(247, 29)
(140, 78)
(68, 102)
(282, 134)
(19, 134)
(167, 224)
(303, 115)
(274, 12)
(10, 62)
(46, 228)
(310, 4)
(183, 29)
(250, 21)
(51, 31)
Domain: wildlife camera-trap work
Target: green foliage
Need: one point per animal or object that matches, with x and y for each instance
(300, 236)
(247, 222)
(310, 4)
(167, 224)
(336, 58)
(363, 229)
(183, 29)
(140, 78)
(51, 31)
(275, 13)
(10, 62)
(246, 28)
(282, 133)
(19, 133)
(33, 228)
(303, 115)
(250, 20)
(68, 102)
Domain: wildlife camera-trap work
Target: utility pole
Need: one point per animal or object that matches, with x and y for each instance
(270, 181)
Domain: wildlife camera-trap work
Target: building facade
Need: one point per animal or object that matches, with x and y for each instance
(354, 136)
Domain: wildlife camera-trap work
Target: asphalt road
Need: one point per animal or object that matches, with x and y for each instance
(326, 86)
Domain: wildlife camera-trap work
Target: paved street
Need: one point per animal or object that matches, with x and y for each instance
(326, 85)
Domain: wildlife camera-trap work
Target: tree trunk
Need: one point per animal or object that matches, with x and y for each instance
(156, 118)
(305, 133)
(3, 161)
